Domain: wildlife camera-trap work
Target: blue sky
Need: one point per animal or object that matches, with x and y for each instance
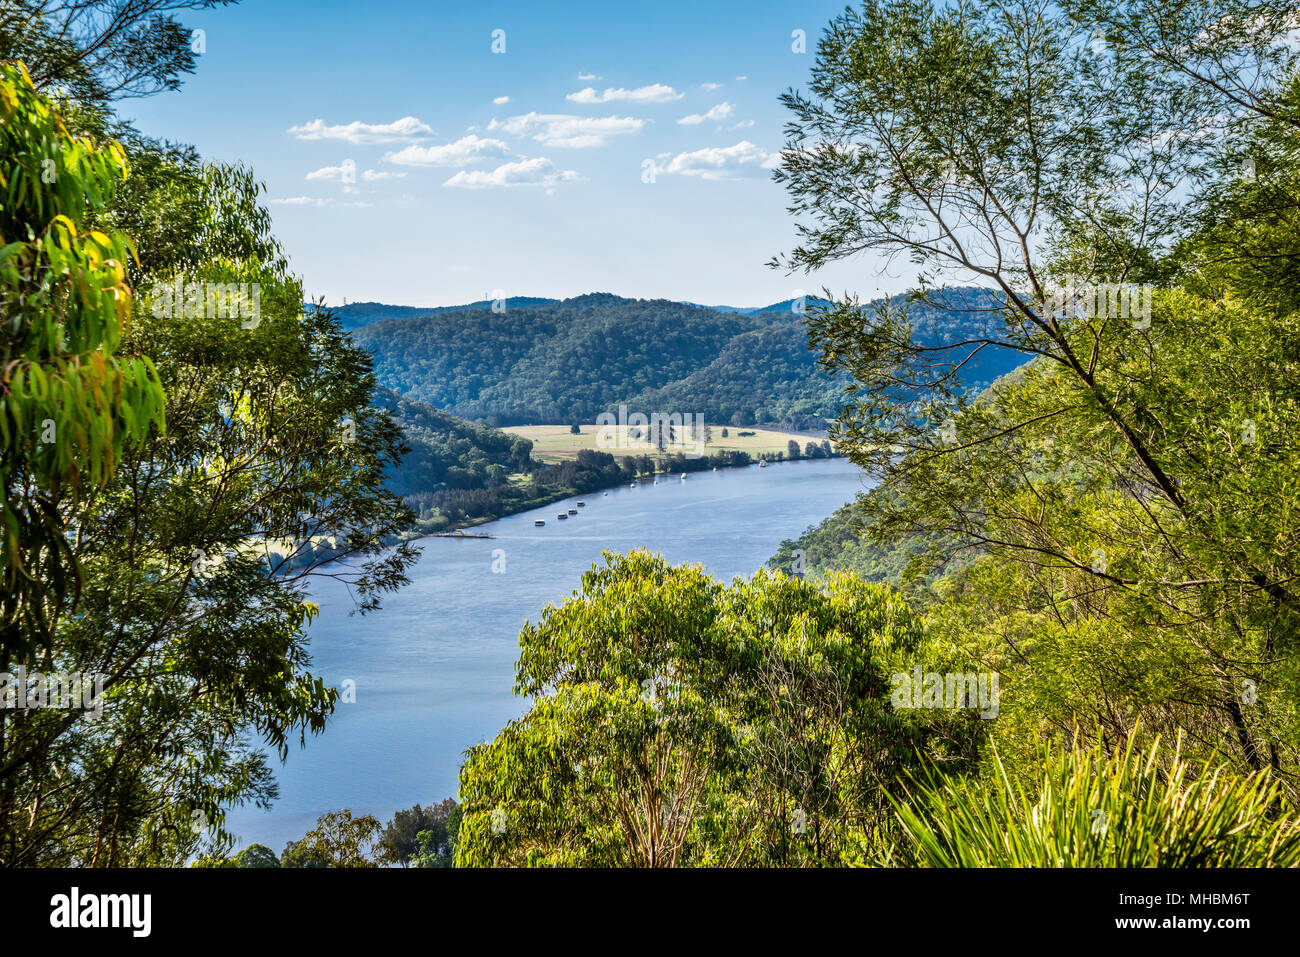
(397, 170)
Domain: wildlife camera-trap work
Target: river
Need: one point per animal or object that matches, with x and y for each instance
(433, 669)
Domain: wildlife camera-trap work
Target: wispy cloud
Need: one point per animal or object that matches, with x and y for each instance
(716, 114)
(587, 77)
(466, 150)
(372, 175)
(332, 173)
(710, 87)
(565, 131)
(719, 162)
(406, 129)
(654, 93)
(501, 100)
(298, 201)
(533, 172)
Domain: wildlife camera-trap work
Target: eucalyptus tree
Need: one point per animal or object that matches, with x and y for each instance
(677, 721)
(1118, 175)
(98, 51)
(194, 550)
(73, 397)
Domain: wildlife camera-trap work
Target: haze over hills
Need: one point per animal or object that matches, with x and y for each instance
(541, 361)
(354, 315)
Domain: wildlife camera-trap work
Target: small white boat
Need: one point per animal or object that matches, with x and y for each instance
(538, 524)
(762, 463)
(582, 505)
(683, 476)
(562, 516)
(573, 511)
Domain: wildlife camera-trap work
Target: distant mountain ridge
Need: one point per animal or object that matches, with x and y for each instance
(542, 361)
(784, 306)
(354, 315)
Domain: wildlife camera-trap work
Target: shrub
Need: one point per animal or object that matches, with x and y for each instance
(1094, 809)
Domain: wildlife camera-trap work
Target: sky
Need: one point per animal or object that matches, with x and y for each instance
(433, 153)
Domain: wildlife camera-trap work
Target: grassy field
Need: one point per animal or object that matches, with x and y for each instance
(555, 443)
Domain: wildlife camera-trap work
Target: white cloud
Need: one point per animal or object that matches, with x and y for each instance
(501, 100)
(298, 201)
(564, 131)
(587, 76)
(719, 162)
(466, 150)
(399, 131)
(654, 93)
(716, 114)
(710, 87)
(742, 79)
(534, 172)
(742, 125)
(371, 175)
(333, 173)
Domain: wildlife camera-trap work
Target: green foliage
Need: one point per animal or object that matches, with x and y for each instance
(681, 722)
(96, 51)
(843, 542)
(338, 840)
(70, 403)
(193, 605)
(423, 836)
(446, 450)
(436, 846)
(1120, 507)
(256, 855)
(1090, 808)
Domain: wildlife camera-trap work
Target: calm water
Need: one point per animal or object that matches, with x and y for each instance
(434, 668)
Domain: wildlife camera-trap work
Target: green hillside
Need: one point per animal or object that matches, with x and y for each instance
(563, 362)
(446, 450)
(769, 371)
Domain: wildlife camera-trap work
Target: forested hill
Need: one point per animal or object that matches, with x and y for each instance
(560, 362)
(769, 370)
(540, 361)
(448, 451)
(354, 315)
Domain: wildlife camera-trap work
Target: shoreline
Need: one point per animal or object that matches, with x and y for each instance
(529, 505)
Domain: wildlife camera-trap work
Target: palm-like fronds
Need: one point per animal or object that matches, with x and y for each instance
(1094, 809)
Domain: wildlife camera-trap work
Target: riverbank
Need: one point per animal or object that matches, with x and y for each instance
(559, 443)
(433, 670)
(586, 472)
